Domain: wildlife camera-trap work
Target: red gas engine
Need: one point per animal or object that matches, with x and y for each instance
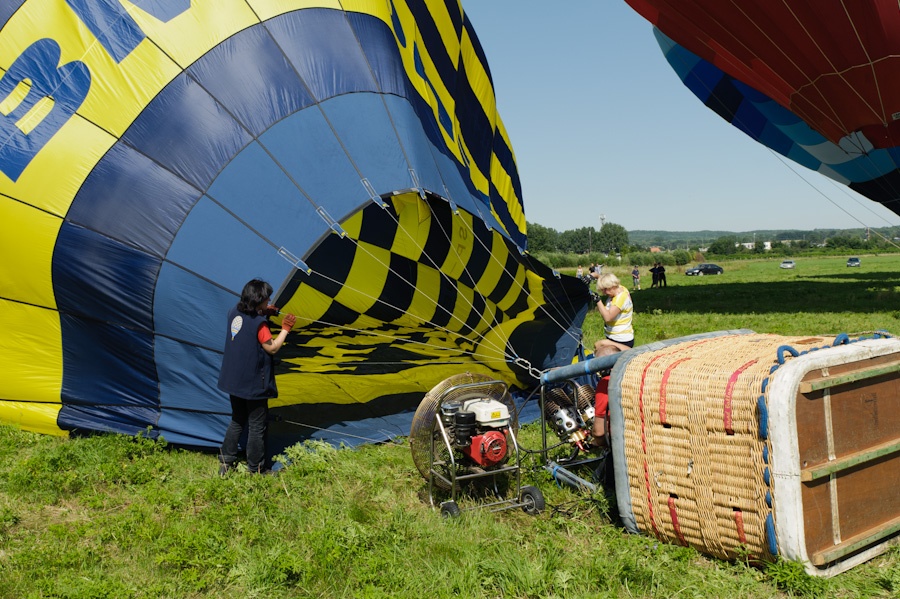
(478, 429)
(463, 441)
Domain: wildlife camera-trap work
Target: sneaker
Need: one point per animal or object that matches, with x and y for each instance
(225, 468)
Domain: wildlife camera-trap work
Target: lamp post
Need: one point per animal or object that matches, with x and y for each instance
(602, 222)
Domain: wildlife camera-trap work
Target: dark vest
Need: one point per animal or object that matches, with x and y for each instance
(247, 370)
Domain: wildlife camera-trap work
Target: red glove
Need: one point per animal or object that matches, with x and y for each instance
(288, 323)
(271, 310)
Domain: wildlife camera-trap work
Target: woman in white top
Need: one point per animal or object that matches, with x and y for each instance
(616, 312)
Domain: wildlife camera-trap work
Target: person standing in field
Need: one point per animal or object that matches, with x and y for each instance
(248, 374)
(636, 278)
(617, 312)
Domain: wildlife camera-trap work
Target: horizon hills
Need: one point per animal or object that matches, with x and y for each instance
(662, 237)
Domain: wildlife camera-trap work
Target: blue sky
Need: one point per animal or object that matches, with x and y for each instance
(601, 125)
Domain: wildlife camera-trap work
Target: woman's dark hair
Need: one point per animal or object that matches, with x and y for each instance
(255, 292)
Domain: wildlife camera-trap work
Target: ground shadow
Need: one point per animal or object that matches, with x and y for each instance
(857, 291)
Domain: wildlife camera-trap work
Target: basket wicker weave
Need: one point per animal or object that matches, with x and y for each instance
(696, 460)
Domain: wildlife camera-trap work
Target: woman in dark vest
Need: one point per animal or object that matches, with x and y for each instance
(248, 374)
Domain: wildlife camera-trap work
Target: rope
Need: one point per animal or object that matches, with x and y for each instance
(368, 440)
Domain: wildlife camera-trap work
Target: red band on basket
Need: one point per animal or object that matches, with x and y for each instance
(674, 515)
(739, 522)
(729, 391)
(662, 389)
(649, 487)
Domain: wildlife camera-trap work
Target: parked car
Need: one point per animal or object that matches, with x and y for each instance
(704, 269)
(787, 264)
(852, 261)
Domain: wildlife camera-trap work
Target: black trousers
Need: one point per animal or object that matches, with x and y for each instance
(251, 415)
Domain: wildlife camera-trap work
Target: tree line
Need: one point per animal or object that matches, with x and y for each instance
(611, 246)
(613, 238)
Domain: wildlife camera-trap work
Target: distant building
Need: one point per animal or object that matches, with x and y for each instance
(655, 249)
(767, 245)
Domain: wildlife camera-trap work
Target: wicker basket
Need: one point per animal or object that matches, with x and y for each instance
(692, 444)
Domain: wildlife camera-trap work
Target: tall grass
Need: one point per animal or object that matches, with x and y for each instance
(111, 516)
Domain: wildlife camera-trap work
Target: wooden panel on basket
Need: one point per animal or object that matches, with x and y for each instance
(848, 437)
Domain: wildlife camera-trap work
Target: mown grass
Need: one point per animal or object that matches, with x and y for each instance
(110, 516)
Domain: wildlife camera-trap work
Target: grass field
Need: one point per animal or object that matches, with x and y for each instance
(118, 517)
(820, 295)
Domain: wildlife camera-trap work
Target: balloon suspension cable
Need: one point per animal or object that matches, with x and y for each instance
(480, 339)
(455, 210)
(480, 336)
(836, 205)
(335, 227)
(369, 440)
(520, 286)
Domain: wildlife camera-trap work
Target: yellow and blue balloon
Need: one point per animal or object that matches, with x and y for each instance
(157, 154)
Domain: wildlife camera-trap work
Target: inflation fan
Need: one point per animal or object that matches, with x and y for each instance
(463, 436)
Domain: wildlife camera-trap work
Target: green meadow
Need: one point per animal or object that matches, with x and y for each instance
(820, 295)
(120, 517)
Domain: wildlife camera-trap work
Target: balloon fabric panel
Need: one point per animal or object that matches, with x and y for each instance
(319, 167)
(208, 135)
(121, 199)
(250, 76)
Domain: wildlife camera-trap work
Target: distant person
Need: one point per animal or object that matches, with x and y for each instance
(579, 272)
(616, 312)
(654, 271)
(661, 275)
(248, 374)
(635, 278)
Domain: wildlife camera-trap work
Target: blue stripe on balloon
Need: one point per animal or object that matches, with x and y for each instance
(873, 174)
(362, 124)
(261, 194)
(382, 54)
(207, 135)
(308, 151)
(193, 429)
(315, 41)
(192, 389)
(114, 366)
(103, 279)
(184, 304)
(223, 250)
(133, 199)
(250, 76)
